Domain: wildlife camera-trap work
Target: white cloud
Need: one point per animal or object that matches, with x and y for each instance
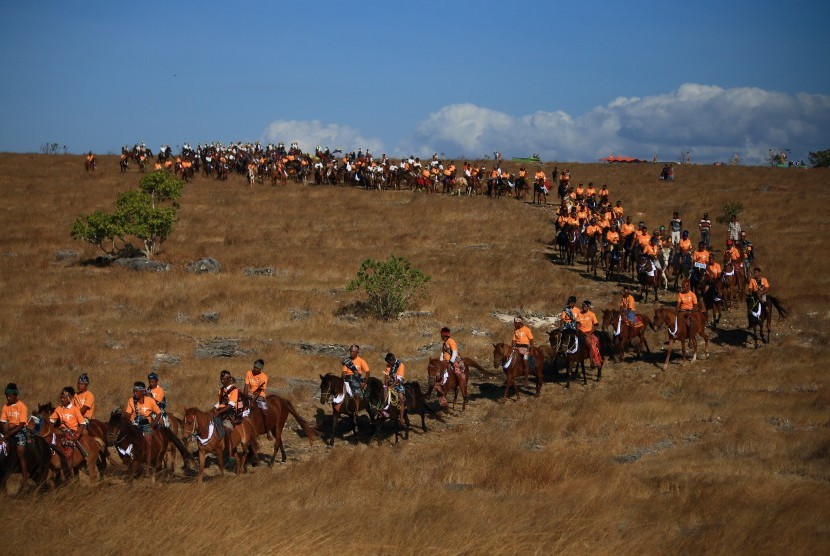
(709, 121)
(312, 133)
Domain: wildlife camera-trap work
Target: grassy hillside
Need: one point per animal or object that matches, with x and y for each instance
(726, 455)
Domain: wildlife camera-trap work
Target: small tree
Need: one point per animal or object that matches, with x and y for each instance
(138, 213)
(820, 159)
(730, 209)
(391, 285)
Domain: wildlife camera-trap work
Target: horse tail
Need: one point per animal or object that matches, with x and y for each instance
(474, 364)
(308, 430)
(421, 401)
(176, 442)
(605, 343)
(782, 311)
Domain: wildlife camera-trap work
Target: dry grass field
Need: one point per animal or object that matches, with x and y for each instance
(729, 455)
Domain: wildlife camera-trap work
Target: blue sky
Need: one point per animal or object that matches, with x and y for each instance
(571, 80)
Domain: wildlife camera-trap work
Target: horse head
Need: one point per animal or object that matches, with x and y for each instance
(501, 353)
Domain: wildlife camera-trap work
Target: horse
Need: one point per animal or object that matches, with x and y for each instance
(74, 457)
(625, 332)
(140, 450)
(759, 315)
(89, 165)
(95, 429)
(124, 163)
(240, 440)
(681, 267)
(733, 280)
(613, 257)
(573, 347)
(331, 388)
(712, 295)
(38, 454)
(572, 243)
(381, 400)
(437, 371)
(272, 419)
(540, 193)
(650, 277)
(683, 329)
(513, 364)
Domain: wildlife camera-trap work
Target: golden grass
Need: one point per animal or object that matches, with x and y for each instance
(726, 455)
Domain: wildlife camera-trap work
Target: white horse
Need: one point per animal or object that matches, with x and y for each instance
(664, 256)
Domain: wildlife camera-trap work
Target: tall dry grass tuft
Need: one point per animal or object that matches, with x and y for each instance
(726, 455)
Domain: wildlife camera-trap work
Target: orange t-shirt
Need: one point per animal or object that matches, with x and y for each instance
(627, 229)
(592, 229)
(157, 394)
(566, 319)
(649, 250)
(360, 364)
(399, 373)
(85, 399)
(70, 417)
(618, 212)
(14, 414)
(627, 303)
(701, 256)
(714, 270)
(734, 254)
(752, 286)
(587, 321)
(522, 335)
(687, 301)
(643, 238)
(447, 349)
(612, 237)
(145, 408)
(254, 382)
(685, 245)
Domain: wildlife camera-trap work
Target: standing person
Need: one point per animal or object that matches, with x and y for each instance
(393, 377)
(84, 399)
(587, 326)
(157, 393)
(355, 372)
(675, 226)
(13, 419)
(523, 341)
(256, 383)
(733, 229)
(705, 227)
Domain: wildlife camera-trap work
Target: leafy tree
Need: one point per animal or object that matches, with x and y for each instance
(730, 209)
(820, 159)
(391, 285)
(139, 213)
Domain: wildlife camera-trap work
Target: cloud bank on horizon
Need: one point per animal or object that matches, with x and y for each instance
(709, 122)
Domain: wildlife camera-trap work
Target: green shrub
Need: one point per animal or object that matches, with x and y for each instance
(732, 208)
(390, 285)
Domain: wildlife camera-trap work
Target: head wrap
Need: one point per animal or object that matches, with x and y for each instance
(152, 376)
(390, 358)
(11, 389)
(259, 364)
(572, 299)
(139, 387)
(83, 379)
(587, 302)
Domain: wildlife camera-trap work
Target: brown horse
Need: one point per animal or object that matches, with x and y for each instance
(759, 315)
(513, 364)
(74, 456)
(331, 388)
(650, 277)
(624, 332)
(272, 419)
(385, 410)
(436, 371)
(733, 281)
(238, 441)
(95, 429)
(573, 347)
(683, 329)
(138, 450)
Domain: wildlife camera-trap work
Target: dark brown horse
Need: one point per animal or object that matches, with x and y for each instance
(331, 389)
(683, 328)
(238, 442)
(650, 277)
(95, 429)
(759, 315)
(137, 450)
(508, 358)
(572, 243)
(573, 347)
(592, 251)
(437, 371)
(624, 332)
(38, 454)
(272, 419)
(74, 456)
(385, 410)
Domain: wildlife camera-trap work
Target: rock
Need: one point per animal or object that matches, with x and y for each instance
(330, 350)
(142, 263)
(219, 347)
(180, 317)
(66, 254)
(299, 314)
(268, 271)
(210, 317)
(477, 332)
(165, 359)
(205, 266)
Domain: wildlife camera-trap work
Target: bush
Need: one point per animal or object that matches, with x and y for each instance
(732, 208)
(391, 285)
(820, 159)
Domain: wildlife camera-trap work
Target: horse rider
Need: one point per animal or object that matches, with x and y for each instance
(713, 272)
(700, 260)
(686, 303)
(72, 423)
(157, 393)
(227, 411)
(628, 308)
(13, 419)
(569, 318)
(523, 342)
(355, 372)
(588, 323)
(256, 383)
(142, 410)
(84, 399)
(650, 251)
(449, 353)
(758, 286)
(393, 379)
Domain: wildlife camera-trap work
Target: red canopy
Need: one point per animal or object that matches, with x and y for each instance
(613, 158)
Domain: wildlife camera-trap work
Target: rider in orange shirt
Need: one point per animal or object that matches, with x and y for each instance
(628, 307)
(758, 286)
(256, 383)
(13, 419)
(523, 341)
(84, 399)
(569, 317)
(393, 377)
(142, 410)
(587, 325)
(450, 354)
(355, 371)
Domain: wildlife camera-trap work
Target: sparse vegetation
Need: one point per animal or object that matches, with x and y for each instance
(820, 159)
(390, 285)
(730, 209)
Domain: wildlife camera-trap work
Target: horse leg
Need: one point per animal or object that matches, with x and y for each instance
(333, 425)
(668, 353)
